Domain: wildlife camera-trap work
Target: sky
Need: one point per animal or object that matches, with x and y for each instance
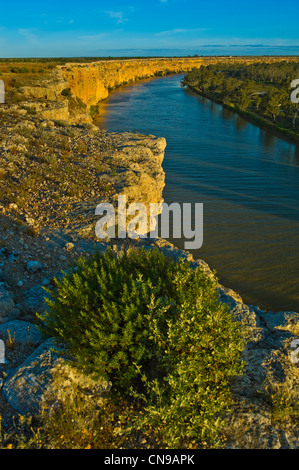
(147, 27)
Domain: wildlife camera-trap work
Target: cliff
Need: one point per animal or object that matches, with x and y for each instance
(92, 82)
(68, 92)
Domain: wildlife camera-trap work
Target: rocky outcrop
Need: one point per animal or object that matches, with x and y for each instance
(46, 90)
(42, 380)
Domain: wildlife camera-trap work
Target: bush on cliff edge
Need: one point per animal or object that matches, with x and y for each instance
(157, 330)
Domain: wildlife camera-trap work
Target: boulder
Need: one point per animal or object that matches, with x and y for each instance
(21, 331)
(44, 379)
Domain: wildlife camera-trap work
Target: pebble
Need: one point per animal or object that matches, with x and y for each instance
(69, 246)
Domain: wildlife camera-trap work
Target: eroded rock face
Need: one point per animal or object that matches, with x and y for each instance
(92, 82)
(47, 90)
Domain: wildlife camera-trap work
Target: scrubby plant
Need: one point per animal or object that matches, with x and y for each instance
(158, 331)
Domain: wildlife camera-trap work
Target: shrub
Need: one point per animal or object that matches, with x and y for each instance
(157, 330)
(93, 110)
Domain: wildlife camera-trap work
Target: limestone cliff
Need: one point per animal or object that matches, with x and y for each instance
(92, 82)
(68, 92)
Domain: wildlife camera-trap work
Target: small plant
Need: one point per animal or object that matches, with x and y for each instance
(93, 111)
(50, 159)
(10, 343)
(79, 423)
(283, 403)
(32, 230)
(22, 434)
(81, 148)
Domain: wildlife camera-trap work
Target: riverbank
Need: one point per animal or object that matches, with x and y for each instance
(253, 118)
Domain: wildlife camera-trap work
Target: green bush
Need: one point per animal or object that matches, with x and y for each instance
(93, 111)
(157, 330)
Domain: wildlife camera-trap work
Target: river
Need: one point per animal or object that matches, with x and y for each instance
(246, 178)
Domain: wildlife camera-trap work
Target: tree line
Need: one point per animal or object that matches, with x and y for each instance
(261, 88)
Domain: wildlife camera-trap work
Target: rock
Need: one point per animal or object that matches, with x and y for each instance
(69, 246)
(21, 331)
(30, 221)
(44, 378)
(6, 300)
(57, 111)
(229, 296)
(47, 124)
(33, 298)
(47, 90)
(34, 266)
(202, 264)
(250, 427)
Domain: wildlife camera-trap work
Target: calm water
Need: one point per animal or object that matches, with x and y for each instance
(247, 180)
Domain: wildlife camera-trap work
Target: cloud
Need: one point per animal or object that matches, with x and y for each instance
(170, 32)
(93, 37)
(118, 15)
(28, 35)
(65, 20)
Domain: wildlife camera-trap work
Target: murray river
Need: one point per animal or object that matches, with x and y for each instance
(246, 179)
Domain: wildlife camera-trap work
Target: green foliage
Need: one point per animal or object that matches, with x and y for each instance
(93, 111)
(66, 92)
(157, 330)
(261, 88)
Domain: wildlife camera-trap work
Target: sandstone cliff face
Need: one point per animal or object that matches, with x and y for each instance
(49, 90)
(92, 82)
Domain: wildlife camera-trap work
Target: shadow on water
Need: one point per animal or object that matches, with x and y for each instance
(246, 178)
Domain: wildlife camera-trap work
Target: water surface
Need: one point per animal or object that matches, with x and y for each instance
(246, 178)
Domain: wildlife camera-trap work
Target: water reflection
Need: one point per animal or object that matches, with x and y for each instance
(240, 123)
(295, 152)
(267, 139)
(227, 114)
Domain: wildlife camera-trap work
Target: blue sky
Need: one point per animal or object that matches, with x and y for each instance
(93, 28)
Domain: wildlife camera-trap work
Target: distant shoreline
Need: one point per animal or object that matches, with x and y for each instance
(253, 118)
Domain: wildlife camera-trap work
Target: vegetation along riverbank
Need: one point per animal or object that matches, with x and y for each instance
(259, 92)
